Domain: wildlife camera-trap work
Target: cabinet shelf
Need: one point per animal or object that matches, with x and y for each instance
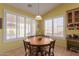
(73, 17)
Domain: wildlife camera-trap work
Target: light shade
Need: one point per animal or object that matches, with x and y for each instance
(38, 17)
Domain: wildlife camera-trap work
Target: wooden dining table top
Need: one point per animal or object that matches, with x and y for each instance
(37, 41)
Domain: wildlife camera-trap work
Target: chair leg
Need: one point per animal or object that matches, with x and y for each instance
(25, 54)
(52, 53)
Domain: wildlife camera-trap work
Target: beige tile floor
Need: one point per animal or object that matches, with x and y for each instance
(59, 51)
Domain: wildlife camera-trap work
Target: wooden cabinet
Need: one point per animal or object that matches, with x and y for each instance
(73, 24)
(73, 44)
(73, 19)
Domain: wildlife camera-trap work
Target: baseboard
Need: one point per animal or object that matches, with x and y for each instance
(60, 46)
(12, 48)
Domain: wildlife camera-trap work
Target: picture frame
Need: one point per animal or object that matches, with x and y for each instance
(0, 23)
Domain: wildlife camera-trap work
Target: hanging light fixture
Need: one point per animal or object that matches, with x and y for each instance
(38, 17)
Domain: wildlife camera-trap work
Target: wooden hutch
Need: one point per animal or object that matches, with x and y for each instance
(73, 24)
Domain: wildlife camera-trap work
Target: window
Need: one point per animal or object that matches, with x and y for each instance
(33, 27)
(58, 27)
(54, 27)
(48, 27)
(18, 26)
(10, 26)
(28, 26)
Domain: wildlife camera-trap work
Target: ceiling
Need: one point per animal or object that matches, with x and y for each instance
(33, 7)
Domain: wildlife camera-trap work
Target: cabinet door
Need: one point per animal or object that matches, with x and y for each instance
(69, 17)
(76, 16)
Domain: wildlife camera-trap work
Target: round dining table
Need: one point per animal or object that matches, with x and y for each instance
(39, 42)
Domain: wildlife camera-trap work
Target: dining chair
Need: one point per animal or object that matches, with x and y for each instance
(52, 47)
(39, 50)
(46, 50)
(33, 50)
(26, 47)
(30, 36)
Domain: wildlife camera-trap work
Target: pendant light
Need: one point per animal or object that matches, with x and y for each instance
(38, 17)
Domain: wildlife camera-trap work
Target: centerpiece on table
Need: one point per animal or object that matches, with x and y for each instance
(39, 38)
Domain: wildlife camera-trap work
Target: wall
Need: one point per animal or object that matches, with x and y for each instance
(5, 46)
(59, 11)
(40, 29)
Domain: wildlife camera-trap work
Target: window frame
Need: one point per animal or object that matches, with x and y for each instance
(52, 26)
(24, 27)
(34, 22)
(4, 26)
(63, 28)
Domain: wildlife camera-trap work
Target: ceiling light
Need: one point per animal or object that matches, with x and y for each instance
(38, 17)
